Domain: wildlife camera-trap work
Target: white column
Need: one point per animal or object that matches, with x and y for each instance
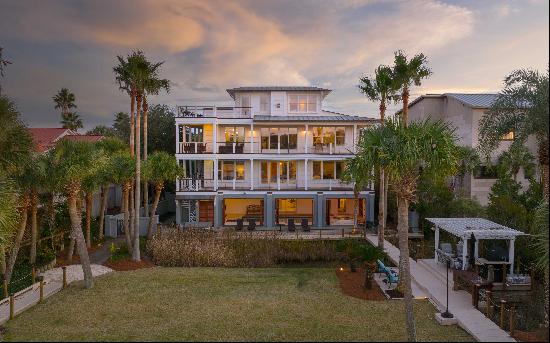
(215, 174)
(251, 138)
(511, 253)
(464, 253)
(436, 241)
(279, 175)
(305, 174)
(215, 138)
(178, 139)
(305, 141)
(476, 249)
(354, 141)
(251, 174)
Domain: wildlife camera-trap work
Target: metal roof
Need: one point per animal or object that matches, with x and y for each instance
(480, 227)
(342, 117)
(232, 91)
(474, 100)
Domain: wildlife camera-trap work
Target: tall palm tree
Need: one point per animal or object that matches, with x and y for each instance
(153, 86)
(407, 73)
(76, 161)
(407, 152)
(158, 169)
(382, 88)
(38, 175)
(110, 146)
(122, 167)
(71, 120)
(522, 107)
(64, 100)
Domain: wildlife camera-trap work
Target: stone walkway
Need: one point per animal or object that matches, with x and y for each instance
(53, 283)
(424, 282)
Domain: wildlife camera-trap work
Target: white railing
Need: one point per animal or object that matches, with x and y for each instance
(214, 112)
(195, 148)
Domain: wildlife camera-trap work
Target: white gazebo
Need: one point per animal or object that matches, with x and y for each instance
(463, 228)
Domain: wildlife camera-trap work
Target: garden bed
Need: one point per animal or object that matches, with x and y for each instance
(352, 284)
(129, 264)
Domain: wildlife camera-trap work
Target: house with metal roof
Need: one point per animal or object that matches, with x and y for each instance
(464, 111)
(272, 159)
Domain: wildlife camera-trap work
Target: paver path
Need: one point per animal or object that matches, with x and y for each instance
(460, 302)
(53, 283)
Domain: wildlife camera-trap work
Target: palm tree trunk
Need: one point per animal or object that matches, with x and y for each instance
(381, 210)
(544, 160)
(405, 272)
(34, 225)
(104, 194)
(126, 211)
(76, 234)
(132, 120)
(89, 198)
(23, 209)
(145, 188)
(2, 259)
(51, 216)
(355, 207)
(72, 242)
(137, 194)
(158, 190)
(405, 98)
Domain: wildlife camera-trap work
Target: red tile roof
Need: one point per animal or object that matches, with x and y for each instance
(45, 138)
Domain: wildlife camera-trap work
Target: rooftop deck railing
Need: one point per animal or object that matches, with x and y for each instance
(237, 112)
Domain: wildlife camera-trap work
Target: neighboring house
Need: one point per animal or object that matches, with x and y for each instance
(464, 112)
(45, 139)
(273, 156)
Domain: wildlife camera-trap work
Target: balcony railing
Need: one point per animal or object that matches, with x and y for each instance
(214, 112)
(194, 185)
(198, 184)
(195, 148)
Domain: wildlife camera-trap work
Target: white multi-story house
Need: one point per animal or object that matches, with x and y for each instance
(273, 156)
(464, 112)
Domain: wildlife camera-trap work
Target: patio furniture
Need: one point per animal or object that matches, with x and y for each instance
(305, 225)
(251, 225)
(391, 275)
(291, 226)
(240, 225)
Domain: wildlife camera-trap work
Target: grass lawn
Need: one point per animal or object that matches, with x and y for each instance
(169, 304)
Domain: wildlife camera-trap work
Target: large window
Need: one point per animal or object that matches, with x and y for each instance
(302, 103)
(283, 137)
(485, 172)
(234, 134)
(329, 135)
(265, 103)
(284, 170)
(190, 133)
(328, 170)
(229, 170)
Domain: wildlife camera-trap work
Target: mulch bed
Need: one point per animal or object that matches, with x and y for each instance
(352, 285)
(128, 264)
(527, 336)
(61, 258)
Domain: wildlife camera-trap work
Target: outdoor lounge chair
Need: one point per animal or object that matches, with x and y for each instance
(240, 225)
(291, 226)
(305, 225)
(251, 225)
(391, 275)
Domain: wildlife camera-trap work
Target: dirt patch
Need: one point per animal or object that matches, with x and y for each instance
(527, 336)
(352, 285)
(61, 258)
(128, 264)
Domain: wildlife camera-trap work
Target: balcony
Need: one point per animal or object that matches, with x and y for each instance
(230, 112)
(195, 148)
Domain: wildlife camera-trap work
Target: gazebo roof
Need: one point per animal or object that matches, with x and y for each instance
(480, 227)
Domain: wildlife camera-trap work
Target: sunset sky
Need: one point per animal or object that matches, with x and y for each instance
(209, 46)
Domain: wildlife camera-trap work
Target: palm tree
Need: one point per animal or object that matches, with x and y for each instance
(110, 146)
(38, 174)
(122, 170)
(16, 144)
(76, 161)
(64, 100)
(9, 216)
(521, 107)
(540, 245)
(71, 120)
(406, 73)
(382, 88)
(407, 152)
(510, 162)
(356, 172)
(153, 86)
(158, 169)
